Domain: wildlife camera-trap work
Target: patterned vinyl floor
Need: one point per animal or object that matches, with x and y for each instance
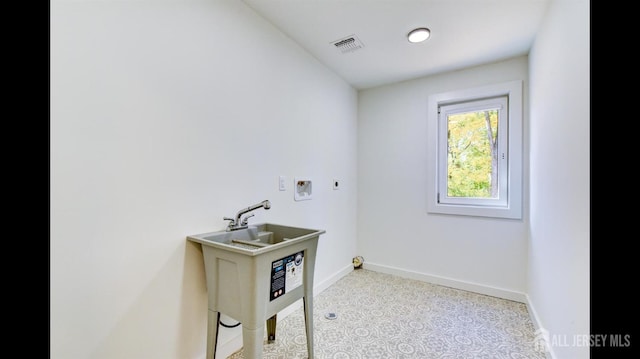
(385, 316)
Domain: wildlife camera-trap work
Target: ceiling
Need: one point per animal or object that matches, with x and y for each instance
(464, 33)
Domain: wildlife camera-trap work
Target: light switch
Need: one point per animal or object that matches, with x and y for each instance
(281, 183)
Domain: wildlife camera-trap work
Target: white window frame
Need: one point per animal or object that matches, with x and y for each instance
(509, 168)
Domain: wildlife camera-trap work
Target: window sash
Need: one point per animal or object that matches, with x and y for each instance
(445, 110)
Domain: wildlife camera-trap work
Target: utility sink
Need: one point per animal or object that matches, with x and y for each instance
(252, 274)
(256, 239)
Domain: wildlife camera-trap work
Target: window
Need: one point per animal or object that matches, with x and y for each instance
(475, 148)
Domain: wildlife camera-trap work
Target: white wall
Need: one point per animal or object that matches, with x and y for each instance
(166, 117)
(395, 232)
(558, 280)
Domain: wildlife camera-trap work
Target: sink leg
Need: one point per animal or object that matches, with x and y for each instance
(271, 328)
(213, 323)
(308, 323)
(252, 342)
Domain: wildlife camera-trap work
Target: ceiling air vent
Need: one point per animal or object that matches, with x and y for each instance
(348, 44)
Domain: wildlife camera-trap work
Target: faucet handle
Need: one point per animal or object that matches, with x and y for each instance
(245, 220)
(232, 223)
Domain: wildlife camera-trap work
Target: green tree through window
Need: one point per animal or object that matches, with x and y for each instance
(472, 154)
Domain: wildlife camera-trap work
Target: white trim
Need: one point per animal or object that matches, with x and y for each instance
(537, 324)
(450, 282)
(513, 210)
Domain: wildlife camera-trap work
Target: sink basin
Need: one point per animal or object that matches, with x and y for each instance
(256, 239)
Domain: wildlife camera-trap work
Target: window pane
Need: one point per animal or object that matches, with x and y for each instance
(472, 160)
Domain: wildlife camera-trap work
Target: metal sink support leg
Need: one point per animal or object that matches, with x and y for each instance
(271, 328)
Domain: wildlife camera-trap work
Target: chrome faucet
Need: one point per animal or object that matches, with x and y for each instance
(238, 223)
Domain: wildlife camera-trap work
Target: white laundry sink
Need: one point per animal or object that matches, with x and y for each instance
(252, 274)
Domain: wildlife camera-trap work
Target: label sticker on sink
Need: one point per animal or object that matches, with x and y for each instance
(286, 274)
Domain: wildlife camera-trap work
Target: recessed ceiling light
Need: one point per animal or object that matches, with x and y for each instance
(419, 34)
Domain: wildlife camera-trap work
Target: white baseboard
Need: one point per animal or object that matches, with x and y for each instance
(449, 282)
(234, 344)
(537, 324)
(320, 287)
